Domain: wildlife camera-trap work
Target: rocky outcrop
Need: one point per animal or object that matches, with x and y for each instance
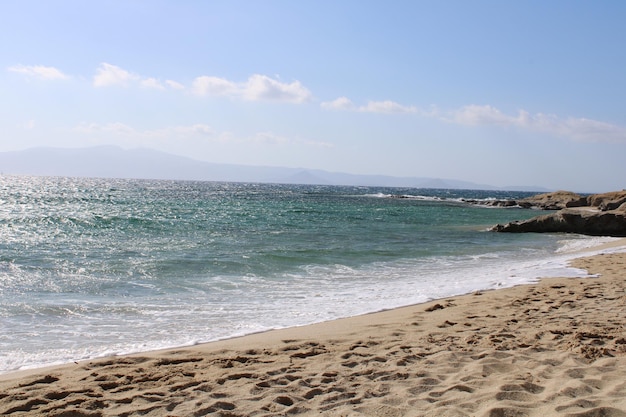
(607, 201)
(548, 201)
(596, 215)
(587, 222)
(554, 201)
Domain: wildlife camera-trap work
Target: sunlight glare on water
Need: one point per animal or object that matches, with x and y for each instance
(91, 267)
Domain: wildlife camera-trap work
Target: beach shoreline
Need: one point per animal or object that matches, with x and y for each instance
(461, 280)
(557, 347)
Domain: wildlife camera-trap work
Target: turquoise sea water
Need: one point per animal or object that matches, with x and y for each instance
(93, 267)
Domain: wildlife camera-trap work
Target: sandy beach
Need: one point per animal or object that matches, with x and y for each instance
(554, 348)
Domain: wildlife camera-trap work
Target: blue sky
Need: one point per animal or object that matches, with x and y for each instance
(494, 92)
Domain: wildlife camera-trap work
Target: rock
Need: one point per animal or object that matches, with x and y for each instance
(580, 220)
(607, 201)
(548, 201)
(499, 203)
(597, 215)
(554, 201)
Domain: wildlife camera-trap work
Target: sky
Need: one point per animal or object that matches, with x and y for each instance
(505, 93)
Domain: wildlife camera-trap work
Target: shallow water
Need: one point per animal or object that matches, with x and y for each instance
(93, 267)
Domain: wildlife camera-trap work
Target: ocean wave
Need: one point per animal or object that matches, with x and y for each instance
(576, 244)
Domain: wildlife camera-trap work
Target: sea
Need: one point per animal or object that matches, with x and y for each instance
(97, 267)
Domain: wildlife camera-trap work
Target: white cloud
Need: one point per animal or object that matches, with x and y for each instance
(386, 106)
(317, 143)
(581, 129)
(256, 88)
(196, 131)
(213, 86)
(262, 87)
(152, 83)
(475, 115)
(108, 75)
(174, 85)
(270, 138)
(114, 128)
(123, 130)
(341, 103)
(274, 139)
(39, 71)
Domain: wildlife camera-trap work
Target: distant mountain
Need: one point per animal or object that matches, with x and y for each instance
(304, 177)
(115, 162)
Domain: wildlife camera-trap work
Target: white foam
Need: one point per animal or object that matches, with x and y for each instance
(581, 243)
(317, 293)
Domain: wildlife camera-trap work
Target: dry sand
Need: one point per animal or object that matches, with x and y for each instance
(555, 348)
